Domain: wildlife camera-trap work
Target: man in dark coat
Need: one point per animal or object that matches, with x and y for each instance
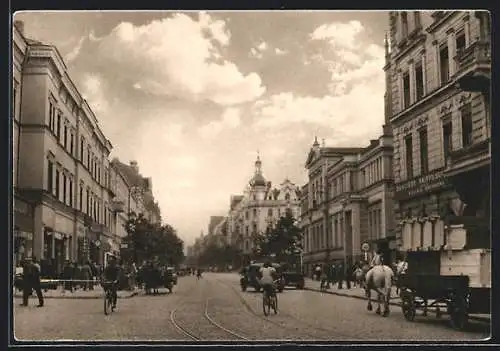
(31, 281)
(342, 275)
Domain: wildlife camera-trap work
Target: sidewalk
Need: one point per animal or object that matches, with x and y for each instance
(358, 293)
(97, 293)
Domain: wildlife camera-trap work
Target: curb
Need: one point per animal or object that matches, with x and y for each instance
(475, 318)
(69, 297)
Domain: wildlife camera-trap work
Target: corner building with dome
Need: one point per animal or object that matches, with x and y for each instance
(260, 207)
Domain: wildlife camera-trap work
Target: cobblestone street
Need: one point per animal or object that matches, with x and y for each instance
(214, 308)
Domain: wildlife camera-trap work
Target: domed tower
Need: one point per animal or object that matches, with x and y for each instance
(258, 183)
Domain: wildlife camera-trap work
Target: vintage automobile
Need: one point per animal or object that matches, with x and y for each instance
(174, 274)
(250, 277)
(292, 277)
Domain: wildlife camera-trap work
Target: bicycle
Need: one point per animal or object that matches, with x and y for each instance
(108, 297)
(269, 302)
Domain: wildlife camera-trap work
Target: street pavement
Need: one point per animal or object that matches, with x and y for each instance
(214, 308)
(358, 293)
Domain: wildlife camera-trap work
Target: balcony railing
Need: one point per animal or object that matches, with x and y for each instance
(117, 206)
(473, 59)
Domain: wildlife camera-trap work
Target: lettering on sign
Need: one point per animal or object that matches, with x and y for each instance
(421, 185)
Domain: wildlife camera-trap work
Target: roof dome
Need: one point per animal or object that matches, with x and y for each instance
(258, 180)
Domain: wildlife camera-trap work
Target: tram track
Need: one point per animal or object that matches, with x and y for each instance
(182, 329)
(308, 326)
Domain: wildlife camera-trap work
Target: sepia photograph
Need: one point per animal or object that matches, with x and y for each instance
(251, 176)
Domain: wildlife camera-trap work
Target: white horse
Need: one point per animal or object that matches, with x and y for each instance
(379, 279)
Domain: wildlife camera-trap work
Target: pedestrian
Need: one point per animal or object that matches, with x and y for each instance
(67, 276)
(318, 272)
(87, 276)
(31, 281)
(342, 276)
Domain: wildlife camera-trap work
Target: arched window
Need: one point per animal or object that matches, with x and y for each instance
(287, 196)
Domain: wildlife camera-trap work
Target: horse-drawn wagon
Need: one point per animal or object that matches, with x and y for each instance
(455, 279)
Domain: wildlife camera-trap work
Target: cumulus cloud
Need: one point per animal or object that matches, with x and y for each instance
(180, 53)
(93, 92)
(230, 119)
(339, 34)
(73, 54)
(354, 107)
(258, 51)
(279, 51)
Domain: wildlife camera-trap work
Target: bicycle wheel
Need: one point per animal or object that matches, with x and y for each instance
(266, 304)
(107, 306)
(275, 304)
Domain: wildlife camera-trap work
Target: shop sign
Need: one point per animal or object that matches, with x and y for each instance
(421, 185)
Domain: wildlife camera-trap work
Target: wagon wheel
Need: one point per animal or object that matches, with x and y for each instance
(457, 309)
(408, 307)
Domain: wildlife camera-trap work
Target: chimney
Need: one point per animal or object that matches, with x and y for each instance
(20, 26)
(133, 165)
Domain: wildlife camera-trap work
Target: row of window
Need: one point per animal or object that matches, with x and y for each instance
(315, 236)
(375, 222)
(66, 137)
(61, 184)
(373, 172)
(270, 213)
(447, 146)
(415, 90)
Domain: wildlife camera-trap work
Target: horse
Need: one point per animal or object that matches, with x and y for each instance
(379, 279)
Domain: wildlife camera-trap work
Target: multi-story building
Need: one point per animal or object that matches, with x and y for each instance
(438, 74)
(140, 198)
(260, 207)
(220, 232)
(23, 209)
(347, 202)
(233, 219)
(61, 157)
(65, 202)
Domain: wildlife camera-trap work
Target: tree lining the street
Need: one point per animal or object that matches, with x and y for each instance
(282, 241)
(147, 241)
(218, 255)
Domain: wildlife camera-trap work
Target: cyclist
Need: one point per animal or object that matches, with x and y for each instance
(268, 275)
(110, 275)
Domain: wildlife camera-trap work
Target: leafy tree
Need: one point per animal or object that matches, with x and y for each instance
(216, 255)
(282, 241)
(148, 241)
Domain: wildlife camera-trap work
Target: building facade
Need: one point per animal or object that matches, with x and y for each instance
(64, 199)
(259, 208)
(438, 71)
(348, 201)
(23, 208)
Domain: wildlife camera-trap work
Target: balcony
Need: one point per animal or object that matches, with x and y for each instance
(474, 67)
(117, 206)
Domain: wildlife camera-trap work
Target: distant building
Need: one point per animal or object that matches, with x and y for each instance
(347, 201)
(258, 208)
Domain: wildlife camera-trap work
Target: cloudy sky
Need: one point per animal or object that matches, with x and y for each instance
(192, 96)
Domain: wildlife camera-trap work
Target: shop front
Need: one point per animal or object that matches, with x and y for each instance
(422, 208)
(23, 230)
(56, 250)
